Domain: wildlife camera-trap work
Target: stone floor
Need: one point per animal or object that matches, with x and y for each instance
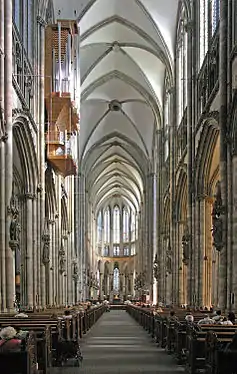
(118, 345)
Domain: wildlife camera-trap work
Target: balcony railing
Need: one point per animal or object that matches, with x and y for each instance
(208, 75)
(60, 152)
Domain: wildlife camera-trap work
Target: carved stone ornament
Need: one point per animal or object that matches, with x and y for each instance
(156, 268)
(15, 227)
(217, 222)
(75, 273)
(62, 259)
(186, 245)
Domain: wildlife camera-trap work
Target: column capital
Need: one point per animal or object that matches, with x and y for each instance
(171, 90)
(29, 196)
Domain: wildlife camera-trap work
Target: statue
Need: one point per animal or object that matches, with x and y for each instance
(75, 268)
(46, 251)
(62, 259)
(217, 223)
(168, 264)
(15, 228)
(185, 244)
(156, 268)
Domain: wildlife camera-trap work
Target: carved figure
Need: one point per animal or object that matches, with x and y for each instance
(217, 220)
(185, 244)
(46, 251)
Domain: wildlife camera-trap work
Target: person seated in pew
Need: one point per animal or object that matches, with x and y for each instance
(21, 334)
(231, 317)
(226, 321)
(189, 319)
(67, 314)
(173, 317)
(206, 320)
(8, 340)
(21, 314)
(217, 317)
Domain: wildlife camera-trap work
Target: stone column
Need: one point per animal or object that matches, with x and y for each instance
(41, 62)
(35, 251)
(191, 266)
(223, 68)
(29, 250)
(234, 223)
(2, 171)
(50, 274)
(8, 106)
(69, 270)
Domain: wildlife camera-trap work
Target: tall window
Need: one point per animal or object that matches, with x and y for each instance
(116, 279)
(166, 127)
(182, 78)
(234, 23)
(107, 225)
(203, 17)
(126, 251)
(116, 224)
(17, 11)
(99, 227)
(133, 226)
(215, 9)
(116, 250)
(125, 225)
(208, 21)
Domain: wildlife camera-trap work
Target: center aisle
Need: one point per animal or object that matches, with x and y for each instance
(118, 345)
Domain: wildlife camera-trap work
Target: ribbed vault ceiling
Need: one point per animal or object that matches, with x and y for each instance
(127, 47)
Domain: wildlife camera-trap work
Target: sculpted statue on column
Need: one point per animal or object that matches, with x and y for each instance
(15, 227)
(46, 241)
(185, 244)
(217, 220)
(62, 259)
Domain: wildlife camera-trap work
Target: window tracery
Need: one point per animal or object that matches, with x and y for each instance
(116, 282)
(182, 68)
(99, 227)
(125, 225)
(116, 224)
(107, 225)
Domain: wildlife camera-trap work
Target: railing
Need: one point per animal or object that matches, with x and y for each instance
(208, 76)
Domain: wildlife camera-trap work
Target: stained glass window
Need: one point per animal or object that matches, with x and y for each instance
(107, 225)
(116, 250)
(116, 279)
(125, 225)
(116, 224)
(215, 14)
(203, 29)
(99, 227)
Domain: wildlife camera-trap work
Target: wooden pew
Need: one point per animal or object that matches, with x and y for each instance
(23, 362)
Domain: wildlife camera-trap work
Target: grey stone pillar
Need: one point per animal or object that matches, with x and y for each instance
(8, 106)
(41, 56)
(234, 223)
(2, 172)
(35, 252)
(191, 265)
(223, 146)
(29, 250)
(50, 273)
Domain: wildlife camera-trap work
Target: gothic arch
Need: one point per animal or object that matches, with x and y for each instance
(26, 149)
(207, 144)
